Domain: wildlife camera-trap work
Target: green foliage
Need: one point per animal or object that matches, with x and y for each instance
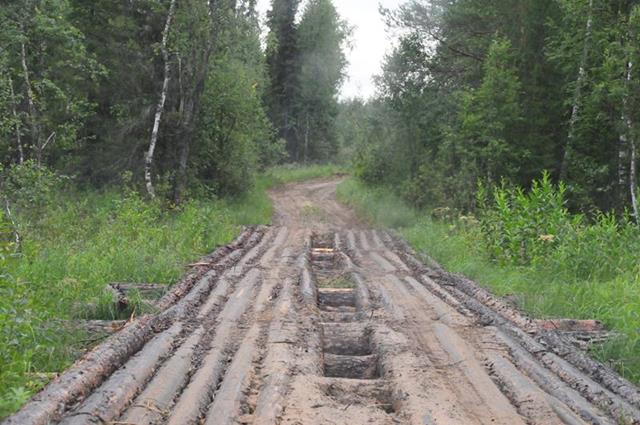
(81, 240)
(282, 68)
(39, 36)
(521, 226)
(233, 129)
(591, 272)
(477, 89)
(30, 187)
(378, 205)
(305, 63)
(321, 36)
(371, 165)
(489, 116)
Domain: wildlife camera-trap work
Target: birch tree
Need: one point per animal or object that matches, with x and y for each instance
(17, 121)
(577, 94)
(148, 162)
(629, 107)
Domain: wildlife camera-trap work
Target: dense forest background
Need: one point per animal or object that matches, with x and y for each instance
(480, 90)
(178, 93)
(134, 137)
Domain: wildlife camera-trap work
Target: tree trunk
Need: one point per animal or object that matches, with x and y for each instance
(148, 161)
(17, 120)
(306, 140)
(191, 102)
(35, 132)
(633, 170)
(577, 94)
(633, 175)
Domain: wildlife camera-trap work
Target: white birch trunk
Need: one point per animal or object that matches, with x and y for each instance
(17, 120)
(148, 161)
(575, 110)
(633, 170)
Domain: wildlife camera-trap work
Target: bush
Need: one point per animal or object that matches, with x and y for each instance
(600, 251)
(371, 165)
(30, 187)
(521, 226)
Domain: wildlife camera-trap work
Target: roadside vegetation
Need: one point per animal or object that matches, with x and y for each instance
(72, 243)
(503, 141)
(131, 148)
(136, 137)
(528, 247)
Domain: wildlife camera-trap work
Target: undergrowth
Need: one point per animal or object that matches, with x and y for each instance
(75, 242)
(558, 267)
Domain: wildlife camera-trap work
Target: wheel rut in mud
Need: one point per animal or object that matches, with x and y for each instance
(321, 320)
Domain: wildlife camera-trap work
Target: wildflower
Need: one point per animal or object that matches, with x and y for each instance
(547, 238)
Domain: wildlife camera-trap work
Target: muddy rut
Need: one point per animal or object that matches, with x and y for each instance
(321, 320)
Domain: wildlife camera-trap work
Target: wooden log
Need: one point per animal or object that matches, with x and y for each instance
(279, 360)
(536, 405)
(532, 402)
(596, 370)
(307, 285)
(109, 400)
(144, 290)
(570, 325)
(86, 374)
(618, 405)
(227, 403)
(119, 298)
(362, 296)
(552, 384)
(199, 392)
(90, 371)
(99, 327)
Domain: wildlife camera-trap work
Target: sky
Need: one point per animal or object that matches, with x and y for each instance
(369, 42)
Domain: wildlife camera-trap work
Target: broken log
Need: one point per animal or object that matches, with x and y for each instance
(570, 325)
(99, 327)
(151, 291)
(90, 371)
(120, 300)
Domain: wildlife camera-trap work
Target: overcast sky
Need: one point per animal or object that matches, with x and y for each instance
(370, 42)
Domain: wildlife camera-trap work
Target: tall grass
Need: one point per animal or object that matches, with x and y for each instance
(591, 273)
(76, 243)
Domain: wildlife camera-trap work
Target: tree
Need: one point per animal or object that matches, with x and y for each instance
(148, 162)
(46, 70)
(321, 38)
(282, 68)
(490, 117)
(577, 95)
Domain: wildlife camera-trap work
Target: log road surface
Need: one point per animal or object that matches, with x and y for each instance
(319, 319)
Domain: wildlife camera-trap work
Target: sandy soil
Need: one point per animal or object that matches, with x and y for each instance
(321, 320)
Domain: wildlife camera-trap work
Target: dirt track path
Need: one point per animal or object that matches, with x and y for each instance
(319, 320)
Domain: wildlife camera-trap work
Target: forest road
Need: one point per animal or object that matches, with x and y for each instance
(319, 319)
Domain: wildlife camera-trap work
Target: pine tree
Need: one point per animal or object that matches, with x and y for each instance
(321, 38)
(282, 69)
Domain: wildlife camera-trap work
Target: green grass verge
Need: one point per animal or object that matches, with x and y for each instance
(540, 290)
(85, 240)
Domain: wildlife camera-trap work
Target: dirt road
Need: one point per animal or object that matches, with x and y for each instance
(320, 320)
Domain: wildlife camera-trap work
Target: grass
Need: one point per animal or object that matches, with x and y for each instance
(82, 241)
(545, 289)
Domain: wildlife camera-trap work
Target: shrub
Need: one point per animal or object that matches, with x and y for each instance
(600, 251)
(521, 226)
(371, 164)
(29, 186)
